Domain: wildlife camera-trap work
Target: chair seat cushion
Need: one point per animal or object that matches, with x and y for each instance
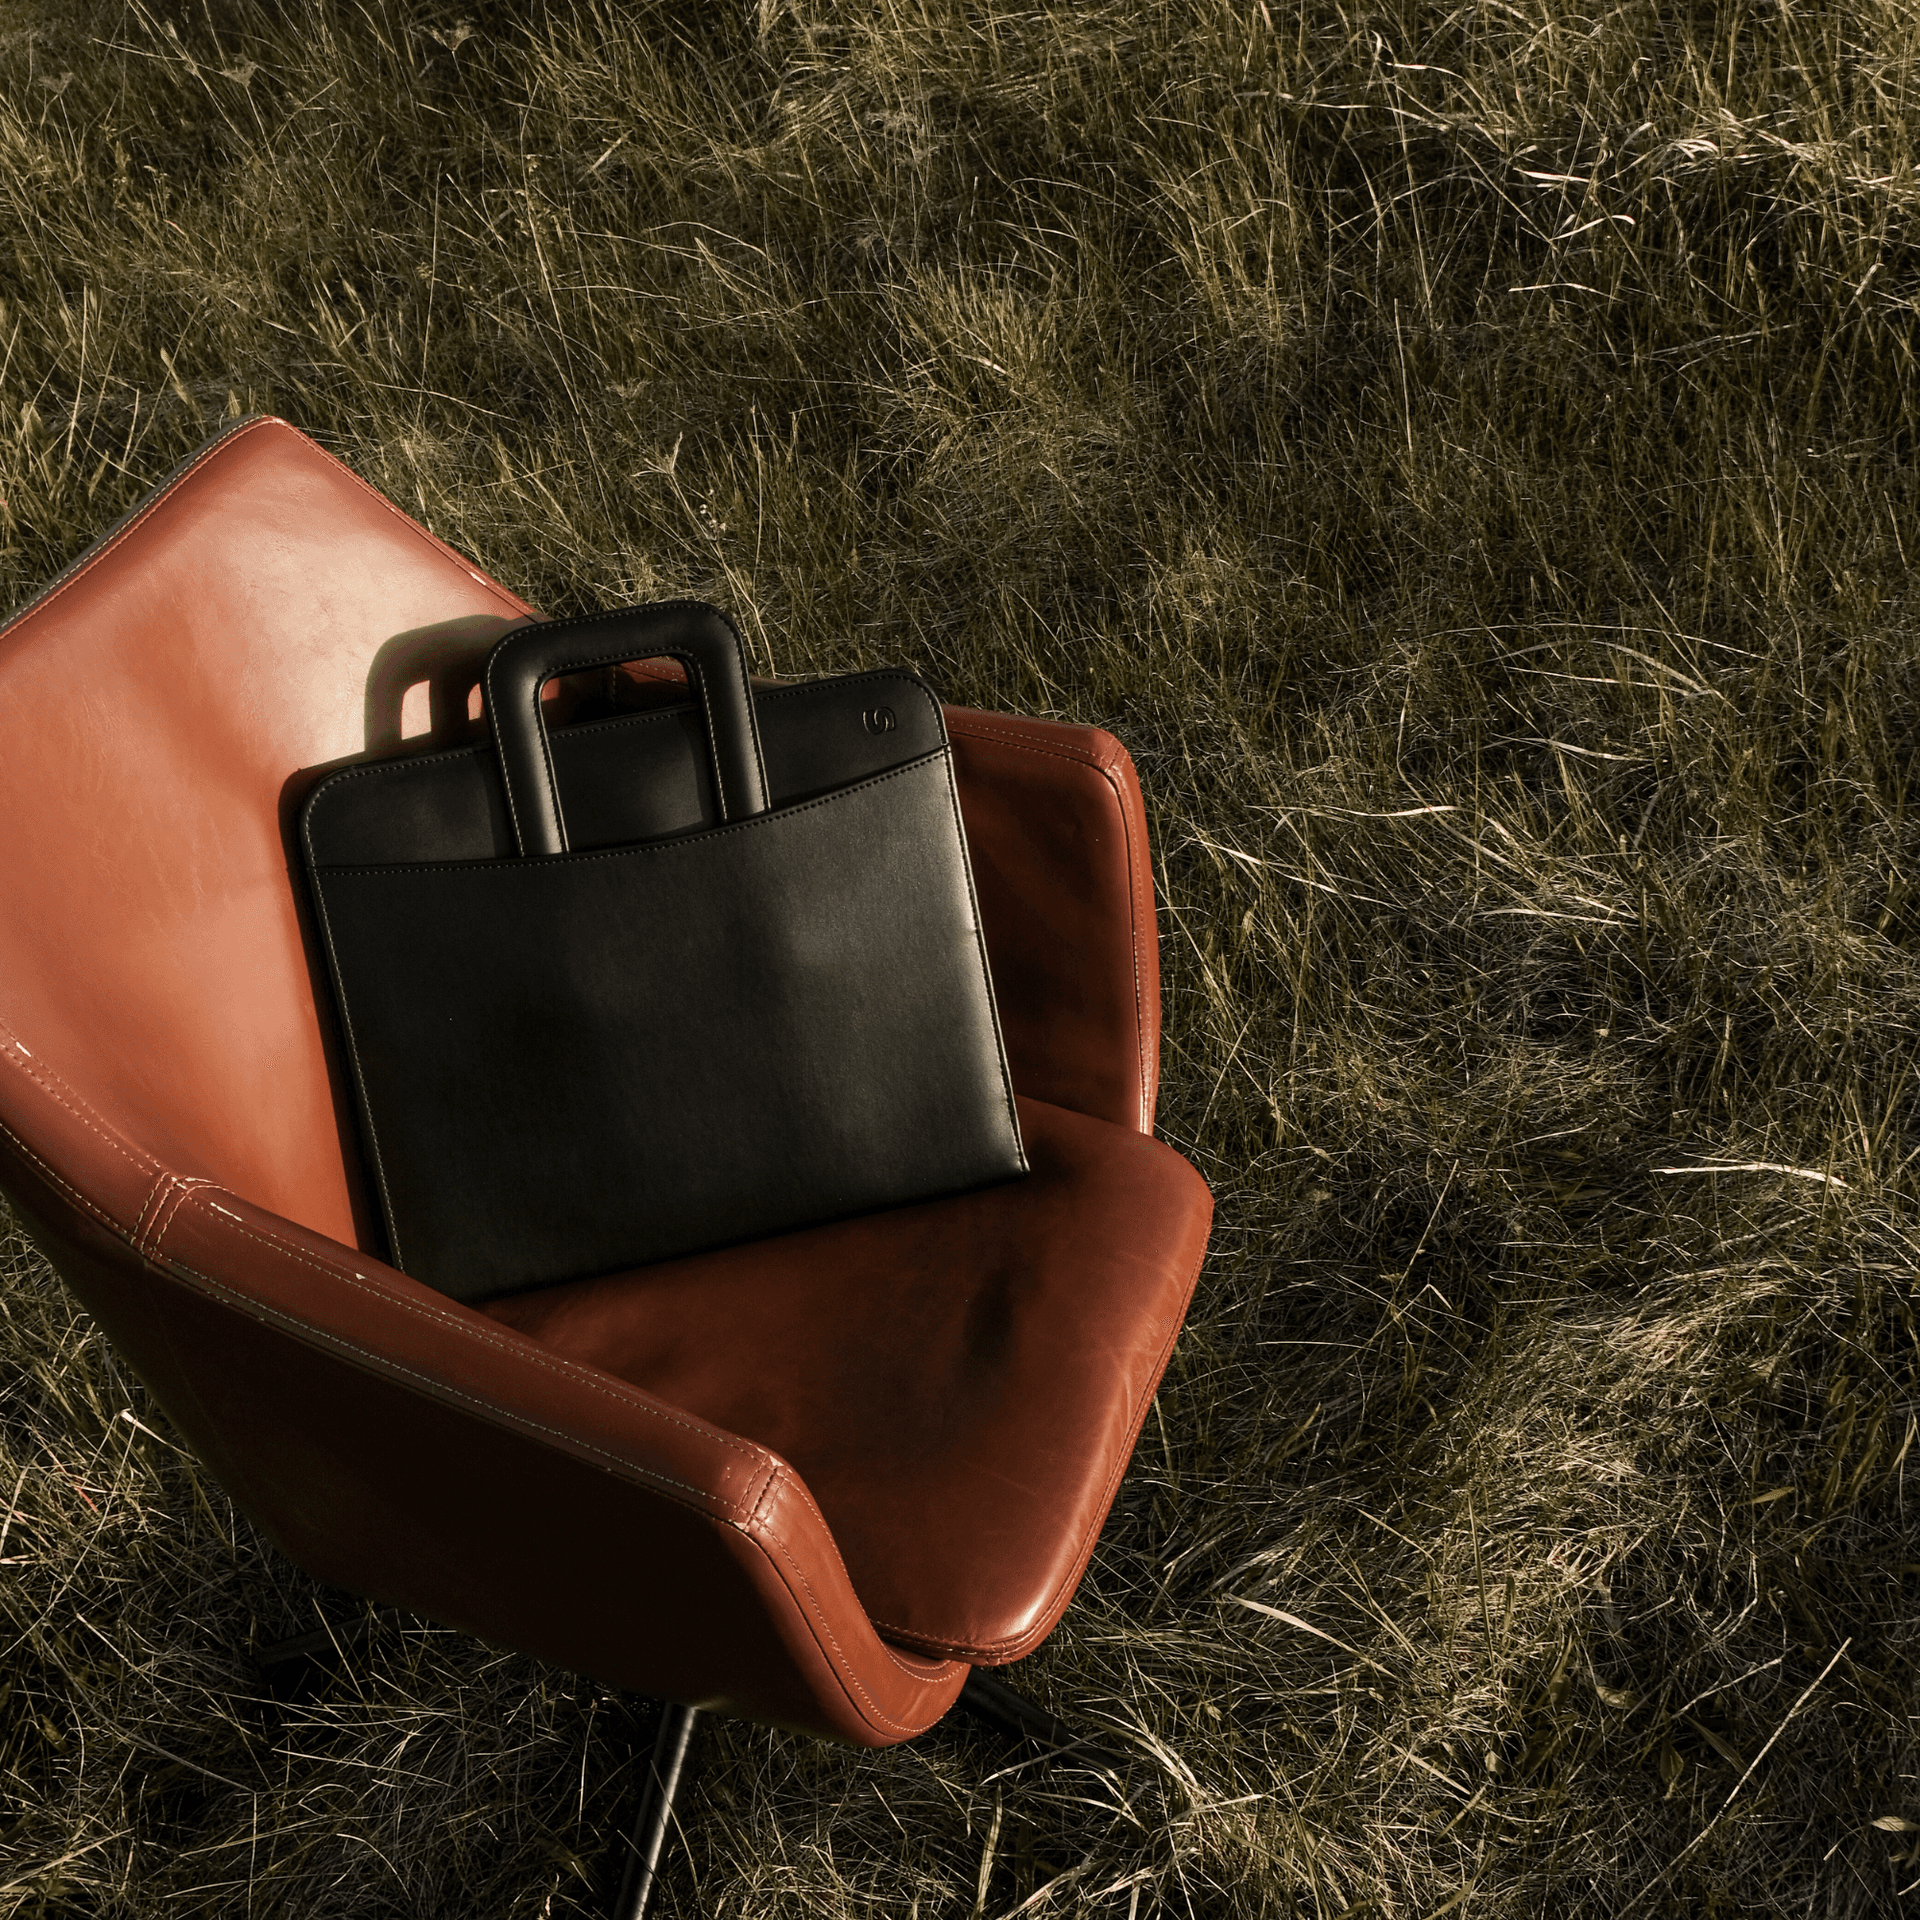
(959, 1383)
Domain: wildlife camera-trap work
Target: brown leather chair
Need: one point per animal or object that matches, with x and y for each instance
(810, 1481)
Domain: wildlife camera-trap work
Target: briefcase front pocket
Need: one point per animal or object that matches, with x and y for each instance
(577, 1062)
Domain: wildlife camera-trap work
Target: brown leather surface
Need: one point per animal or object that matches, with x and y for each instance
(398, 1444)
(155, 706)
(170, 1127)
(1058, 837)
(960, 1384)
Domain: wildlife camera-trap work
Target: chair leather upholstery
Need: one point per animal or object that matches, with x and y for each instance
(956, 1396)
(174, 1133)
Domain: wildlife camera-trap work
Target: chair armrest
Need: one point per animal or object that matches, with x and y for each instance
(403, 1446)
(1058, 839)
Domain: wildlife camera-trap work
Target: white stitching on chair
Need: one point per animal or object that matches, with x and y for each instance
(51, 1084)
(163, 1217)
(758, 1519)
(162, 1186)
(463, 1325)
(163, 1202)
(876, 1713)
(185, 1187)
(754, 1525)
(72, 1192)
(384, 1364)
(972, 730)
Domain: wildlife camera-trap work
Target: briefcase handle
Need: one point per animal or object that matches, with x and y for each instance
(700, 637)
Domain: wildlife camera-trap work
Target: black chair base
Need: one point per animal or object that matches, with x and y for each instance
(640, 1860)
(989, 1700)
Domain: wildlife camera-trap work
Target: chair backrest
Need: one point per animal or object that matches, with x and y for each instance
(250, 627)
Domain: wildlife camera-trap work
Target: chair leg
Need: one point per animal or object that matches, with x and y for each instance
(989, 1698)
(291, 1670)
(349, 1637)
(662, 1783)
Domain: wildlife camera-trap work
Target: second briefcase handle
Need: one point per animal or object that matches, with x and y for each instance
(700, 637)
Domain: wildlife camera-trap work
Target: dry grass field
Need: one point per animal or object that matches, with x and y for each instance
(1467, 452)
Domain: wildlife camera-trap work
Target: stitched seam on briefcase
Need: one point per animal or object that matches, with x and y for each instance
(324, 790)
(408, 763)
(546, 764)
(801, 687)
(752, 720)
(771, 817)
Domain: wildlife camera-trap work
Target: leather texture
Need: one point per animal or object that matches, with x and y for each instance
(171, 1131)
(634, 776)
(1057, 833)
(572, 1064)
(166, 697)
(581, 1063)
(700, 637)
(398, 1444)
(956, 1396)
(1065, 883)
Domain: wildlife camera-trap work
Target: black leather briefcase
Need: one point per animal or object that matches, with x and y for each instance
(624, 990)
